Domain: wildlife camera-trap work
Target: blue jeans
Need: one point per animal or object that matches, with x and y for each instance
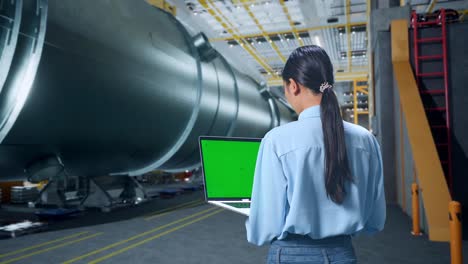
(299, 249)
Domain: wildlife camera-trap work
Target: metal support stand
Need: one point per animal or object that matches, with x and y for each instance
(63, 191)
(109, 192)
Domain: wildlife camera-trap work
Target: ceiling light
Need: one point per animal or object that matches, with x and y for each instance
(317, 41)
(354, 32)
(299, 38)
(252, 5)
(341, 33)
(281, 40)
(252, 43)
(270, 41)
(231, 46)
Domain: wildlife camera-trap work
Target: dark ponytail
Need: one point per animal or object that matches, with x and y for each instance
(311, 67)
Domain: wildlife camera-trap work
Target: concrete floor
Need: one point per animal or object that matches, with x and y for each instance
(197, 233)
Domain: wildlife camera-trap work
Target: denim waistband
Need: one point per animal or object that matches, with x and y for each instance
(297, 240)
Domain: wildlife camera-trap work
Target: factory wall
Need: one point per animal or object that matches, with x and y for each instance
(383, 123)
(458, 68)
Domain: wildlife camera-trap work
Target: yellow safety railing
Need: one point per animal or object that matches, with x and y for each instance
(359, 89)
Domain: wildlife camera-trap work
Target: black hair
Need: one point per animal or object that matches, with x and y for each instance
(311, 67)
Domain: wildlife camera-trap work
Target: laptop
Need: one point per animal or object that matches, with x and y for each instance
(228, 166)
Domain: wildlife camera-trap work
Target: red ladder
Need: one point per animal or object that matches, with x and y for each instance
(444, 146)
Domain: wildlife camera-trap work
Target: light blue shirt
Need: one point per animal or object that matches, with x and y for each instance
(289, 194)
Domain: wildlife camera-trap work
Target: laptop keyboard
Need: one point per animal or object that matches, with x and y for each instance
(239, 205)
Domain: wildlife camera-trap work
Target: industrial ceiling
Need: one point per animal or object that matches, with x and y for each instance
(264, 32)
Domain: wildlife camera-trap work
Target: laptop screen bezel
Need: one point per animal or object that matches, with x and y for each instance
(243, 139)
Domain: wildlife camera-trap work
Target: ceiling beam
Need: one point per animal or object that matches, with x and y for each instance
(264, 34)
(348, 31)
(431, 6)
(463, 14)
(355, 4)
(291, 23)
(339, 77)
(282, 32)
(217, 14)
(456, 5)
(370, 64)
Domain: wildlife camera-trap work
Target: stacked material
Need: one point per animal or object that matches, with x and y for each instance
(20, 228)
(23, 194)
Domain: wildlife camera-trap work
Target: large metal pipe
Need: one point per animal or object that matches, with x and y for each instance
(121, 88)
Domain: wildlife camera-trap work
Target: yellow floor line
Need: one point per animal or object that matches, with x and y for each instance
(135, 237)
(49, 249)
(173, 209)
(157, 213)
(153, 238)
(43, 244)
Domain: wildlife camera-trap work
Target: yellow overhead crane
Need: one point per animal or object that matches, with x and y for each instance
(164, 5)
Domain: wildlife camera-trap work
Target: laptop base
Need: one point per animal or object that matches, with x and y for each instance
(225, 205)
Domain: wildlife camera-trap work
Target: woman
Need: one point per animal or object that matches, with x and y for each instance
(318, 180)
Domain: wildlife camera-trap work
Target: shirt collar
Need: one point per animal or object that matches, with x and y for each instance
(313, 111)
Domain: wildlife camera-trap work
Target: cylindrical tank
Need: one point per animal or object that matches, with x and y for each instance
(121, 88)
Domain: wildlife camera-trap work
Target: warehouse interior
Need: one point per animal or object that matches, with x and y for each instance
(102, 104)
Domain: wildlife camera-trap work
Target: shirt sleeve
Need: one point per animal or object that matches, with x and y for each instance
(377, 216)
(268, 202)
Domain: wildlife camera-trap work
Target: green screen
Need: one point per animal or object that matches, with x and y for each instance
(229, 167)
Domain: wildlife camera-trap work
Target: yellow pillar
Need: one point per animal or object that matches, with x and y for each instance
(455, 232)
(416, 228)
